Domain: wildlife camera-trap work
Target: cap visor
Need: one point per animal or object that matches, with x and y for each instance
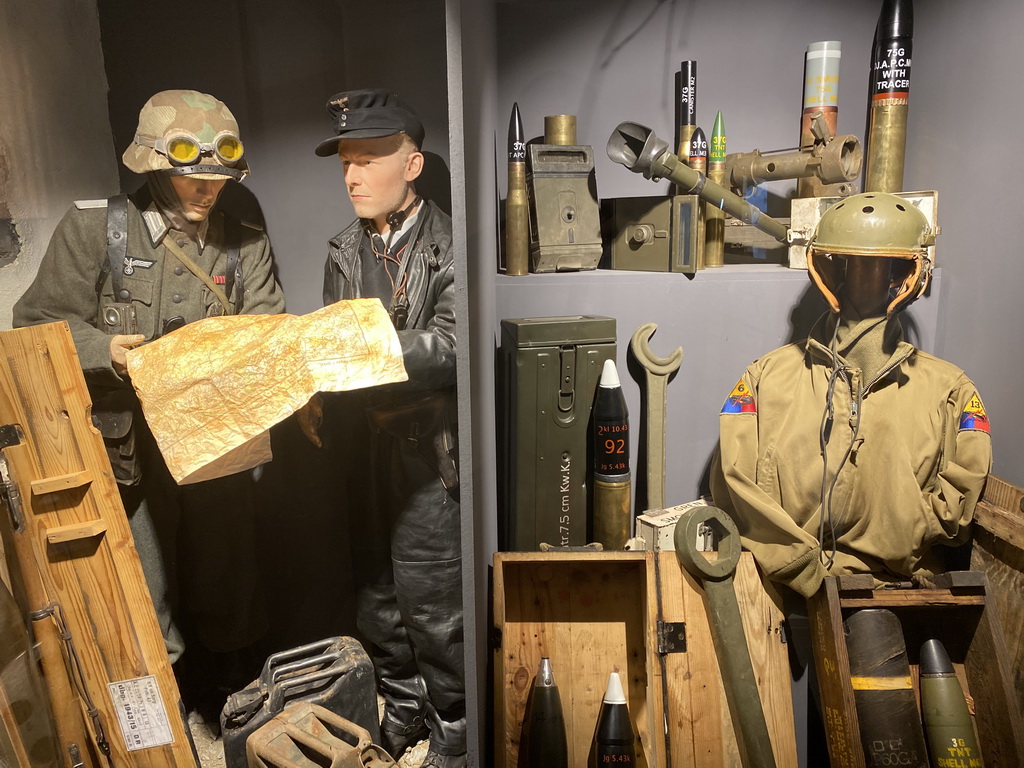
(329, 147)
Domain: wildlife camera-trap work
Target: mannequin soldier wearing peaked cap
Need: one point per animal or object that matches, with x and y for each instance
(173, 258)
(402, 465)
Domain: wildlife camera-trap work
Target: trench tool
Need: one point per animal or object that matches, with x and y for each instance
(716, 576)
(658, 370)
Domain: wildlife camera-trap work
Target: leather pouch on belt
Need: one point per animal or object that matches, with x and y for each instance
(113, 412)
(425, 421)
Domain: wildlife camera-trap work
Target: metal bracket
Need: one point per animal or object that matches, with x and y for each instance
(671, 637)
(9, 493)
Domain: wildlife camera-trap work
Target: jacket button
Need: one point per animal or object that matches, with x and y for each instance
(176, 298)
(178, 270)
(181, 243)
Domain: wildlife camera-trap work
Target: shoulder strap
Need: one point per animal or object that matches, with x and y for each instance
(117, 244)
(233, 273)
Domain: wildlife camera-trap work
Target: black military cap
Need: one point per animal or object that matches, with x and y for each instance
(369, 114)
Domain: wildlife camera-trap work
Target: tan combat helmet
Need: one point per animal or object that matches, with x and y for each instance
(872, 224)
(187, 133)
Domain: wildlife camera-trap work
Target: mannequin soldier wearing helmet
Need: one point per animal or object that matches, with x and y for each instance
(397, 443)
(125, 271)
(853, 451)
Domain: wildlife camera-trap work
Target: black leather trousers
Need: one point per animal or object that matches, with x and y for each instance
(408, 568)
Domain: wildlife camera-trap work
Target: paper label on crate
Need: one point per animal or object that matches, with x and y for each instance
(141, 713)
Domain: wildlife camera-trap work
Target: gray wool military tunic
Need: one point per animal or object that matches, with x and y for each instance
(68, 286)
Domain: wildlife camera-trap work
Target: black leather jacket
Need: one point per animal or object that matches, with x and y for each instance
(423, 409)
(428, 340)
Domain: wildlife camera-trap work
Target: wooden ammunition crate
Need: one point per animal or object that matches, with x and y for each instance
(596, 612)
(962, 616)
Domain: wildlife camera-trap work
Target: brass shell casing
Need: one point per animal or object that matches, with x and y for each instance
(714, 223)
(560, 130)
(612, 513)
(517, 222)
(887, 147)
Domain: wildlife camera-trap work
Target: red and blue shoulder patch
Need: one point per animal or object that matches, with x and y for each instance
(740, 400)
(974, 416)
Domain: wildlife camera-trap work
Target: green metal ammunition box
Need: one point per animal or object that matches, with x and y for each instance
(548, 372)
(655, 234)
(565, 221)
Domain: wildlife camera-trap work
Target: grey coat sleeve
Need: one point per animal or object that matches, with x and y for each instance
(67, 288)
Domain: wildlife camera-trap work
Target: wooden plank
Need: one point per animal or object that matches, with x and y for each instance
(73, 531)
(999, 493)
(1000, 731)
(1003, 565)
(896, 598)
(98, 582)
(60, 483)
(762, 625)
(1002, 522)
(839, 711)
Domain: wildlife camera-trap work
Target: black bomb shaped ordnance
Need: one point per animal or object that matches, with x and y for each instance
(686, 107)
(655, 234)
(640, 150)
(549, 368)
(517, 204)
(565, 221)
(889, 97)
(947, 720)
(614, 741)
(612, 517)
(543, 742)
(883, 692)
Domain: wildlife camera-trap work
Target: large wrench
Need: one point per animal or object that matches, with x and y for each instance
(658, 370)
(727, 627)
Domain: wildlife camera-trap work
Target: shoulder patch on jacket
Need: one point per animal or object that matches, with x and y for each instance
(83, 204)
(740, 400)
(974, 416)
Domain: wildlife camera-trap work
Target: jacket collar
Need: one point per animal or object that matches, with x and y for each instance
(818, 346)
(158, 227)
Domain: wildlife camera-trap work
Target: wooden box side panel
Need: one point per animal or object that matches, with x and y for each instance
(586, 615)
(701, 733)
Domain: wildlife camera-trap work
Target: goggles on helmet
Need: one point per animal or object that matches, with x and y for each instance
(182, 149)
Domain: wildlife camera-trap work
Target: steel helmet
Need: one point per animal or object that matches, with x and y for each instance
(187, 133)
(872, 224)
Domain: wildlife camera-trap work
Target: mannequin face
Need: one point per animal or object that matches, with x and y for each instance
(197, 196)
(866, 287)
(379, 176)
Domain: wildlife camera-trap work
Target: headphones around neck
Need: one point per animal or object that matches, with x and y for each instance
(395, 219)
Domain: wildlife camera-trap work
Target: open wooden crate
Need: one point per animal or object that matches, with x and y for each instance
(593, 613)
(959, 614)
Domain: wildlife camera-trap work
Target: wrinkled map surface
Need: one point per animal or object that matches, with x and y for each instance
(211, 390)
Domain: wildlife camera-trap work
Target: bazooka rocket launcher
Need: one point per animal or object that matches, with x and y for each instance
(639, 149)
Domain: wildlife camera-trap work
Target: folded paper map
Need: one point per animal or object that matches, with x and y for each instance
(211, 390)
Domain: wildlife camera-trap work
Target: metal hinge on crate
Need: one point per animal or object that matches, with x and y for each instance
(671, 636)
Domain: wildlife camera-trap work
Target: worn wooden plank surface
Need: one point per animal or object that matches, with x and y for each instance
(97, 580)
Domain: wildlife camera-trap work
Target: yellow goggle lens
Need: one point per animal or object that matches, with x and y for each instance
(182, 149)
(230, 149)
